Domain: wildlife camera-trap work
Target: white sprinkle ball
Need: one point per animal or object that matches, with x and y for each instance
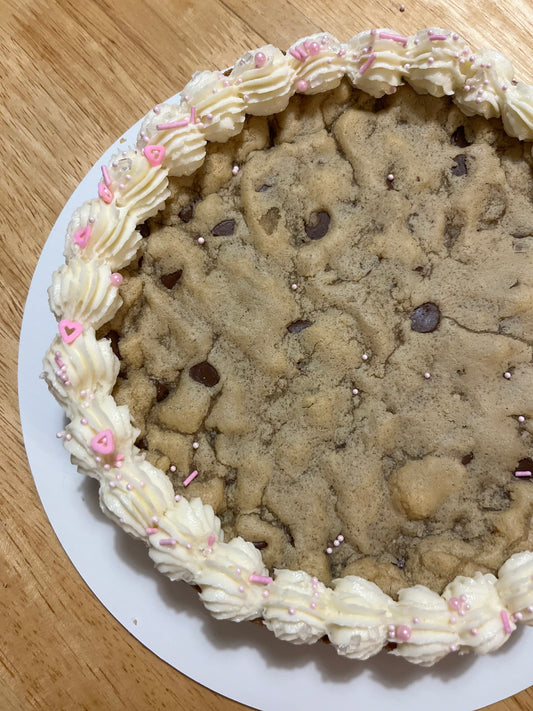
(195, 445)
(390, 177)
(329, 550)
(521, 418)
(235, 169)
(427, 376)
(364, 356)
(173, 468)
(340, 538)
(355, 391)
(507, 375)
(294, 287)
(336, 543)
(201, 240)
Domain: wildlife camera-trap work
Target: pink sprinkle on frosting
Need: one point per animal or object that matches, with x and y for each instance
(190, 478)
(211, 540)
(505, 622)
(369, 62)
(395, 38)
(263, 579)
(434, 37)
(173, 124)
(167, 542)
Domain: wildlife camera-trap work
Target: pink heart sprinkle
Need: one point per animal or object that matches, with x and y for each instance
(105, 193)
(81, 237)
(69, 330)
(154, 154)
(103, 442)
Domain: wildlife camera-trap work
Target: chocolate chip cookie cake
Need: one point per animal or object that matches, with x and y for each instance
(295, 343)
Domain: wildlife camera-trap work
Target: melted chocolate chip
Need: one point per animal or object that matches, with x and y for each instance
(460, 168)
(224, 228)
(297, 326)
(114, 338)
(467, 459)
(400, 563)
(263, 188)
(318, 225)
(186, 213)
(141, 443)
(260, 545)
(144, 229)
(161, 391)
(425, 318)
(170, 280)
(524, 465)
(205, 374)
(458, 138)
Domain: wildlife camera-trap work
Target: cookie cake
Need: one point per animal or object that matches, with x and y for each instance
(295, 343)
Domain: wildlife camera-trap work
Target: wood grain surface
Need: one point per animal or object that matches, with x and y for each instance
(74, 74)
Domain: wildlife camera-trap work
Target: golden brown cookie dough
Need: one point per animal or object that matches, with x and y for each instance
(332, 323)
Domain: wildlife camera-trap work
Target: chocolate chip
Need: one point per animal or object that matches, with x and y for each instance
(144, 229)
(460, 168)
(467, 459)
(524, 465)
(425, 318)
(458, 138)
(141, 443)
(170, 280)
(161, 391)
(400, 563)
(224, 228)
(263, 188)
(260, 545)
(186, 213)
(114, 338)
(297, 326)
(205, 374)
(318, 225)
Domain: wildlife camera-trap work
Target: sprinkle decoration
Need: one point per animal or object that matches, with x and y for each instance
(211, 540)
(395, 38)
(103, 442)
(263, 579)
(505, 622)
(179, 124)
(69, 330)
(116, 279)
(104, 193)
(190, 478)
(81, 237)
(369, 62)
(260, 60)
(523, 473)
(154, 154)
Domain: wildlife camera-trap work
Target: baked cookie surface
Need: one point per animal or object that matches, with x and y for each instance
(379, 300)
(323, 324)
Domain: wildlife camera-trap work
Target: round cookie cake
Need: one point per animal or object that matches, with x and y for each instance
(295, 343)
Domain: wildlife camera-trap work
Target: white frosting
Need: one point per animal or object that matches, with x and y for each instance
(376, 61)
(319, 61)
(431, 634)
(81, 290)
(297, 607)
(226, 588)
(359, 618)
(184, 537)
(266, 89)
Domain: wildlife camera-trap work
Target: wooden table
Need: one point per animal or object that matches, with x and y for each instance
(74, 75)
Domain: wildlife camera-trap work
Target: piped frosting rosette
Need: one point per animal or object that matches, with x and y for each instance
(184, 538)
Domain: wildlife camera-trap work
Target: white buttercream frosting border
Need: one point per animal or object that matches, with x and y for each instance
(184, 538)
